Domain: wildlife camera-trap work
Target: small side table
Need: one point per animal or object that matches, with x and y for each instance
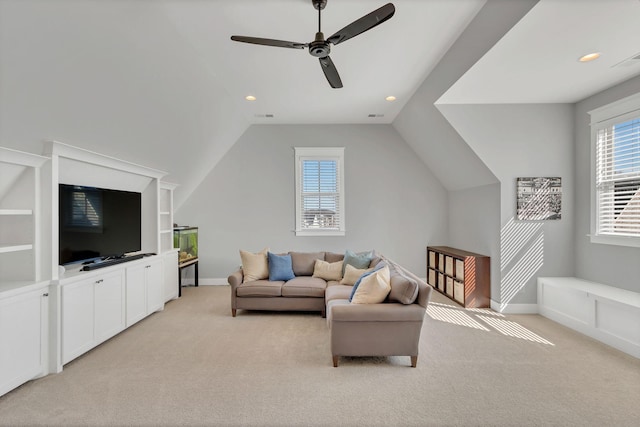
(185, 264)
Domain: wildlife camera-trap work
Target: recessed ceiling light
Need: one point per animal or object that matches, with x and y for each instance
(250, 98)
(589, 57)
(390, 98)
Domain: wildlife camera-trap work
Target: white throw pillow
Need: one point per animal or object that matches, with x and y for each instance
(374, 288)
(328, 270)
(352, 274)
(254, 266)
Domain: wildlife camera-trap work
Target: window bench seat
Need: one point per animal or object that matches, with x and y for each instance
(608, 314)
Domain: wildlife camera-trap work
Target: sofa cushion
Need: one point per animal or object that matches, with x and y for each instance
(254, 266)
(352, 274)
(379, 266)
(337, 292)
(333, 257)
(304, 262)
(374, 288)
(328, 270)
(260, 288)
(280, 267)
(403, 289)
(358, 260)
(304, 286)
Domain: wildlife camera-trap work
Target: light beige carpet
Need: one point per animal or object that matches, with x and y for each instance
(193, 364)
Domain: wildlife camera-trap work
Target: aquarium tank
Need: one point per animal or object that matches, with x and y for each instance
(186, 239)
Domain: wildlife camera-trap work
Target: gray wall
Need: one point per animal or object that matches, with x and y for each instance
(83, 73)
(523, 141)
(474, 225)
(393, 203)
(612, 265)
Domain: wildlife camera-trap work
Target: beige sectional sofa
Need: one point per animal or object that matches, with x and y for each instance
(388, 328)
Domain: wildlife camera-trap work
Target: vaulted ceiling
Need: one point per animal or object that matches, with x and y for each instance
(159, 82)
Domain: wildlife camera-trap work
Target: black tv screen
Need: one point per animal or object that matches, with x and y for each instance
(98, 223)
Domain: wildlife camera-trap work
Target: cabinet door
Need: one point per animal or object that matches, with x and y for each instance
(136, 294)
(77, 319)
(21, 339)
(155, 285)
(170, 278)
(109, 306)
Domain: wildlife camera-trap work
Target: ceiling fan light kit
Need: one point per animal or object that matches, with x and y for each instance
(319, 47)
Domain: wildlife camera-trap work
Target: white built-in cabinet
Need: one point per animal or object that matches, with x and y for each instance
(48, 315)
(145, 289)
(92, 311)
(169, 253)
(23, 297)
(23, 335)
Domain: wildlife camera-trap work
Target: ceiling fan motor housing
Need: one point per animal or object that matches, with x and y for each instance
(319, 47)
(319, 4)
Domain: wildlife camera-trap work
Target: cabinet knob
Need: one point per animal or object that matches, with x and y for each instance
(45, 294)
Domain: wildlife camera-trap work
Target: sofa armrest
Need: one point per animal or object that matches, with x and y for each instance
(235, 278)
(384, 312)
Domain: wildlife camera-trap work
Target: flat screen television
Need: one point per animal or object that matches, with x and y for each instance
(98, 223)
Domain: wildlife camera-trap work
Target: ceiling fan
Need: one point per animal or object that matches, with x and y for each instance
(320, 47)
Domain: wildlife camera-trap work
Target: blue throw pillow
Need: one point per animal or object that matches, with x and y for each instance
(280, 267)
(379, 266)
(358, 260)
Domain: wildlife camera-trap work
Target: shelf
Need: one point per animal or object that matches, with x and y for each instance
(461, 275)
(15, 248)
(16, 212)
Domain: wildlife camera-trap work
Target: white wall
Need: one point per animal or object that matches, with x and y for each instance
(524, 141)
(612, 265)
(87, 74)
(393, 203)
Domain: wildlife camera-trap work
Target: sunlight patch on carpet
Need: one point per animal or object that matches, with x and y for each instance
(477, 318)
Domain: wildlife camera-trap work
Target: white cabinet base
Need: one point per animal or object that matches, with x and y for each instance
(607, 314)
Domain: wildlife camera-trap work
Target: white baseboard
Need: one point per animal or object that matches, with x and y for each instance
(212, 281)
(514, 308)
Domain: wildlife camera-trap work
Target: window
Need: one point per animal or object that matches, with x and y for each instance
(319, 191)
(616, 183)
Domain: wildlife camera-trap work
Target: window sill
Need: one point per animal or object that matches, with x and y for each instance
(319, 232)
(633, 242)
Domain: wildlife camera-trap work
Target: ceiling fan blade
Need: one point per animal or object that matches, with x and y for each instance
(330, 72)
(269, 42)
(363, 24)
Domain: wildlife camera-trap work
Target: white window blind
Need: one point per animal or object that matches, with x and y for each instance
(319, 191)
(618, 178)
(615, 173)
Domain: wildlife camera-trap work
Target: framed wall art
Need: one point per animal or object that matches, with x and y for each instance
(539, 198)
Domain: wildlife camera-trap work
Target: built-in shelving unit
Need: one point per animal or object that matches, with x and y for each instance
(23, 299)
(461, 275)
(166, 216)
(19, 217)
(58, 313)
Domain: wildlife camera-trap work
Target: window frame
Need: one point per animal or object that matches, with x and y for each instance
(603, 117)
(319, 153)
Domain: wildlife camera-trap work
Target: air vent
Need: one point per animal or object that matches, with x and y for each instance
(264, 116)
(375, 115)
(634, 60)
